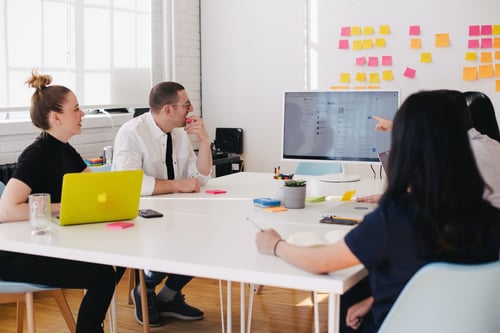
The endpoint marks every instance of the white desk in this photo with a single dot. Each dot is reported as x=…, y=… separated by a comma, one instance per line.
x=205, y=238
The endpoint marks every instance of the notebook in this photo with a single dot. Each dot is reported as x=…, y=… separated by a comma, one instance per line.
x=351, y=209
x=89, y=197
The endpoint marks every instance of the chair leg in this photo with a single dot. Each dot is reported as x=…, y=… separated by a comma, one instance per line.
x=58, y=294
x=30, y=313
x=20, y=316
x=144, y=302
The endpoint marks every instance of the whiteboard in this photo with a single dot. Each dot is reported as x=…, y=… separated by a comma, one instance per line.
x=453, y=18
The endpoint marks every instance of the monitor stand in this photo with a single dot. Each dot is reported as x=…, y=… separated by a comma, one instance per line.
x=342, y=177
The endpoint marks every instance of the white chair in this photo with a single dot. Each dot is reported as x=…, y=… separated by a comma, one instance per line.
x=444, y=297
x=24, y=293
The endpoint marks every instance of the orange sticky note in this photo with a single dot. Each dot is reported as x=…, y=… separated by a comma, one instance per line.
x=497, y=87
x=276, y=209
x=442, y=40
x=496, y=43
x=485, y=71
x=497, y=70
x=486, y=57
x=470, y=56
x=469, y=74
x=347, y=196
x=415, y=43
x=497, y=55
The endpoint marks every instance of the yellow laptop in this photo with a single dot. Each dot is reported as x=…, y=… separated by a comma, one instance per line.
x=89, y=197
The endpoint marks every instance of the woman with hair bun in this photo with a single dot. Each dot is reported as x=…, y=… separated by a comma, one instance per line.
x=40, y=169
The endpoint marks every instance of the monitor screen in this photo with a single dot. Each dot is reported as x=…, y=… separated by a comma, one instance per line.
x=336, y=125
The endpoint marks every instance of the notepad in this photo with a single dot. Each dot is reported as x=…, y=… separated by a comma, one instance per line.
x=310, y=238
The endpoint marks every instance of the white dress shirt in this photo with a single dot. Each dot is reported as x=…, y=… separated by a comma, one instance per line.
x=487, y=154
x=141, y=144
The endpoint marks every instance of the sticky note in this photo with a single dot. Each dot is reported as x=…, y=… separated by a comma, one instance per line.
x=345, y=31
x=119, y=225
x=355, y=30
x=360, y=61
x=357, y=45
x=215, y=191
x=343, y=44
x=367, y=43
x=486, y=29
x=469, y=74
x=415, y=43
x=276, y=209
x=380, y=42
x=347, y=196
x=495, y=29
x=368, y=31
x=486, y=57
x=474, y=30
x=497, y=55
x=387, y=75
x=345, y=77
x=409, y=72
x=384, y=29
x=414, y=30
x=486, y=43
x=470, y=56
x=485, y=71
x=442, y=40
x=316, y=199
x=373, y=61
x=473, y=44
x=497, y=70
x=497, y=85
x=374, y=78
x=425, y=57
x=386, y=60
x=496, y=43
x=360, y=77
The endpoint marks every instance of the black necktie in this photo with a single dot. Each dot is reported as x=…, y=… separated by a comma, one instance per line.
x=168, y=159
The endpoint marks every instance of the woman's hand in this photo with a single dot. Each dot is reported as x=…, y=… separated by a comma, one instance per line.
x=266, y=240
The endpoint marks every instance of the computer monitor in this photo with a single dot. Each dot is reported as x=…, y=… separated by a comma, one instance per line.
x=336, y=126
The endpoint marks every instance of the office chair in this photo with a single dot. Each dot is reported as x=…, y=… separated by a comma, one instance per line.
x=443, y=297
x=482, y=113
x=21, y=293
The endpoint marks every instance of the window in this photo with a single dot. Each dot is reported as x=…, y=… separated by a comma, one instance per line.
x=101, y=49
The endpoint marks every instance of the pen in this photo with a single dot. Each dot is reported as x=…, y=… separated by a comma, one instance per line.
x=255, y=224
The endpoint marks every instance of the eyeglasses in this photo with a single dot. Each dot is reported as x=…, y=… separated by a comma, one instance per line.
x=187, y=105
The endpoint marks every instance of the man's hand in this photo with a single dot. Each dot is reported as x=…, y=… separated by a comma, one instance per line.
x=188, y=185
x=374, y=198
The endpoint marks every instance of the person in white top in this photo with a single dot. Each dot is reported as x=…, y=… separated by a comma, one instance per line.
x=143, y=143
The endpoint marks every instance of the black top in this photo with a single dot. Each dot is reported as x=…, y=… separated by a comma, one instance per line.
x=43, y=164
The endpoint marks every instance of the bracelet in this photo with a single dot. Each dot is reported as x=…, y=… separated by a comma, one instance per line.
x=276, y=245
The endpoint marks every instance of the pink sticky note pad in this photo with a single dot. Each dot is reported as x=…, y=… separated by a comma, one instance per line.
x=215, y=191
x=119, y=225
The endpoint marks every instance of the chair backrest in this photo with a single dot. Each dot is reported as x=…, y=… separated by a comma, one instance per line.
x=317, y=169
x=444, y=297
x=482, y=114
x=2, y=186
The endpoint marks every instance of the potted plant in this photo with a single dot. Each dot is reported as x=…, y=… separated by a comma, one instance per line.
x=294, y=193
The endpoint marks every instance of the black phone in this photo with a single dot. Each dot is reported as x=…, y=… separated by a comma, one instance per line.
x=339, y=220
x=149, y=213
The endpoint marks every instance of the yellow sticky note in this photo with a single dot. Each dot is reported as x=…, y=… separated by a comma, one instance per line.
x=348, y=195
x=495, y=29
x=367, y=43
x=384, y=29
x=345, y=77
x=426, y=57
x=415, y=43
x=485, y=71
x=360, y=77
x=469, y=74
x=356, y=30
x=276, y=209
x=380, y=42
x=470, y=56
x=442, y=40
x=387, y=75
x=368, y=31
x=374, y=78
x=486, y=57
x=357, y=45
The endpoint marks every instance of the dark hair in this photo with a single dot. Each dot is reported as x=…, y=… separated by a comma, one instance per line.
x=164, y=93
x=482, y=113
x=45, y=99
x=433, y=170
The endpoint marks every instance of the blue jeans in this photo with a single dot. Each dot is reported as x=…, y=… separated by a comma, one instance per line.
x=174, y=281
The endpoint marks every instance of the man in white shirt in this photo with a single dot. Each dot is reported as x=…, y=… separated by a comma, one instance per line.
x=158, y=143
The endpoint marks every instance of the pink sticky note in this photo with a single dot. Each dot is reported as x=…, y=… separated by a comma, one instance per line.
x=386, y=60
x=474, y=30
x=373, y=61
x=486, y=43
x=410, y=72
x=215, y=191
x=345, y=31
x=119, y=225
x=360, y=61
x=486, y=29
x=414, y=30
x=344, y=44
x=473, y=44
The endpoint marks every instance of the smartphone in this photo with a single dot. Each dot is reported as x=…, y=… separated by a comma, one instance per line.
x=149, y=213
x=339, y=220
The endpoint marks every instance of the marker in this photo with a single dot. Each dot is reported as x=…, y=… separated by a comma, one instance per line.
x=255, y=224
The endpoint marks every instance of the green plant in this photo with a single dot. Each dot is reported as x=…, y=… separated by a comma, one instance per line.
x=295, y=183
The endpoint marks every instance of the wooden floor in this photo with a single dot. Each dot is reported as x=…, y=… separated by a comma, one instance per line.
x=274, y=310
